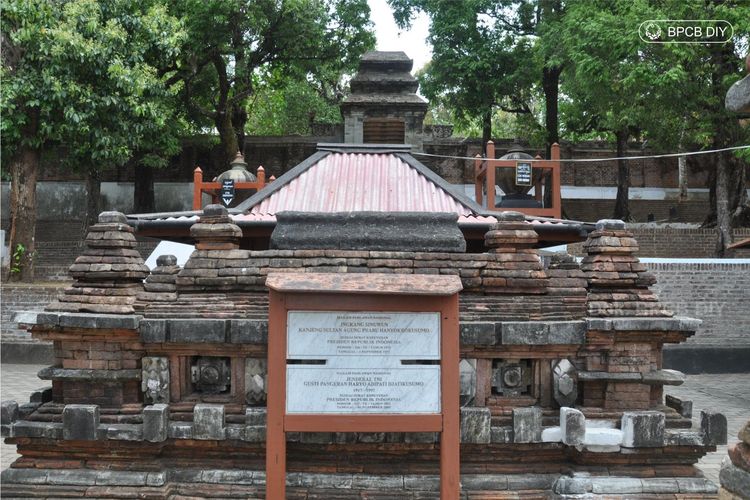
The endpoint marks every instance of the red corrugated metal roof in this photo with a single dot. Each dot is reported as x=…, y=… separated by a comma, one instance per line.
x=353, y=182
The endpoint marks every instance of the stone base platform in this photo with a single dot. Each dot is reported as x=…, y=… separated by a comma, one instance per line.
x=233, y=483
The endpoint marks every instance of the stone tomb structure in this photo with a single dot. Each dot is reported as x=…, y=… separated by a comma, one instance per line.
x=159, y=388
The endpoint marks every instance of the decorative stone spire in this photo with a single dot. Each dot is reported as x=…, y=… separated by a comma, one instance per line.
x=215, y=230
x=160, y=284
x=109, y=273
x=516, y=267
x=618, y=282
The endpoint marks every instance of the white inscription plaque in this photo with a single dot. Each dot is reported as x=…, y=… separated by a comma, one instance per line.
x=319, y=335
x=319, y=389
x=363, y=370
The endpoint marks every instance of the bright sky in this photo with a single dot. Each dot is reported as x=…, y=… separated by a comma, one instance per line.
x=413, y=41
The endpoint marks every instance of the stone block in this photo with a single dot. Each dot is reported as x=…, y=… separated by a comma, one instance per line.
x=551, y=435
x=156, y=423
x=543, y=333
x=733, y=478
x=317, y=437
x=166, y=260
x=422, y=483
x=664, y=377
x=681, y=406
x=531, y=481
x=476, y=333
x=180, y=430
x=192, y=331
x=255, y=433
x=209, y=422
x=475, y=425
x=255, y=416
x=23, y=476
x=235, y=432
x=153, y=331
x=682, y=438
x=610, y=225
x=42, y=395
x=398, y=231
x=501, y=434
x=572, y=485
x=601, y=436
x=643, y=429
x=655, y=485
x=80, y=422
x=527, y=425
x=696, y=485
x=27, y=409
x=104, y=321
x=616, y=486
x=46, y=430
x=248, y=331
x=112, y=217
x=486, y=482
x=123, y=432
x=713, y=428
x=8, y=412
x=368, y=482
x=572, y=426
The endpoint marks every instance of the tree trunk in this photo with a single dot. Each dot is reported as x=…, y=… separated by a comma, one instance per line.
x=93, y=205
x=622, y=205
x=738, y=200
x=228, y=137
x=730, y=199
x=550, y=84
x=682, y=173
x=143, y=189
x=723, y=219
x=486, y=129
x=24, y=168
x=239, y=119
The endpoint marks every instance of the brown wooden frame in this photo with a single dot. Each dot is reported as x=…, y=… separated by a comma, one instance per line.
x=288, y=292
x=484, y=180
x=214, y=188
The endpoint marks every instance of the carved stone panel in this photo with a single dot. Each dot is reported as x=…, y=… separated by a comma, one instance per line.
x=256, y=375
x=155, y=379
x=564, y=381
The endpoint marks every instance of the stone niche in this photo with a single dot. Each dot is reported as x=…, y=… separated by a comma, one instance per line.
x=383, y=106
x=159, y=386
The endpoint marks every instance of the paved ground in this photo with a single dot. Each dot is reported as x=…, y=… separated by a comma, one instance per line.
x=729, y=394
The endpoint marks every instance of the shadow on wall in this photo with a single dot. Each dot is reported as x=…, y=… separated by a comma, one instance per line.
x=67, y=200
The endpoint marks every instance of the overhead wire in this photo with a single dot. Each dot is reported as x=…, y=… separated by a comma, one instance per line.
x=595, y=160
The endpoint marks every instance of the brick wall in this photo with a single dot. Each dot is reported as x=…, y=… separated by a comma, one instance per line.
x=718, y=294
x=23, y=298
x=592, y=210
x=684, y=243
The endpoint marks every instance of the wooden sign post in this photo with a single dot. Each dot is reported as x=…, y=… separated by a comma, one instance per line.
x=368, y=330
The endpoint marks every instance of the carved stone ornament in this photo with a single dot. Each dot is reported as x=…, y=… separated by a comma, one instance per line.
x=564, y=383
x=155, y=379
x=256, y=376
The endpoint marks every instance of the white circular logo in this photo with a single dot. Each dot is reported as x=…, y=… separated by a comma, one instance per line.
x=652, y=31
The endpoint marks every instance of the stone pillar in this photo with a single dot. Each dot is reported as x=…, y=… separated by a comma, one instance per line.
x=619, y=288
x=516, y=267
x=160, y=285
x=109, y=273
x=215, y=230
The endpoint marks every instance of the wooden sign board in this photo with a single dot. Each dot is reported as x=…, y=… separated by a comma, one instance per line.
x=227, y=191
x=363, y=353
x=523, y=173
